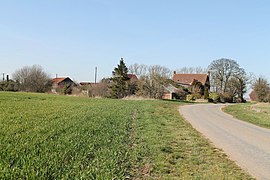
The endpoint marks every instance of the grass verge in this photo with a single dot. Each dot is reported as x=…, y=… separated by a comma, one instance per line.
x=169, y=148
x=58, y=137
x=255, y=113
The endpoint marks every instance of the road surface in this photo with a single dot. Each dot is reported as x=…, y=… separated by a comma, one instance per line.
x=248, y=145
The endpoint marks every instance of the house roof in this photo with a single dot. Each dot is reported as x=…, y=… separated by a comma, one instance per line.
x=132, y=76
x=188, y=79
x=58, y=80
x=171, y=89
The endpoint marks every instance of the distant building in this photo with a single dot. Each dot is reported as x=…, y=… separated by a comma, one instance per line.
x=196, y=83
x=188, y=79
x=60, y=83
x=133, y=77
x=171, y=92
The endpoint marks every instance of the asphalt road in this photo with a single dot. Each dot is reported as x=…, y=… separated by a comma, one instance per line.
x=248, y=145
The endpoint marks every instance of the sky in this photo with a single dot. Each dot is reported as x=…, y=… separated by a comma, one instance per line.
x=72, y=37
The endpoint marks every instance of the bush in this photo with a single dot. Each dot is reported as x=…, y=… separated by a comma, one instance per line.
x=197, y=96
x=59, y=90
x=191, y=97
x=226, y=98
x=182, y=95
x=68, y=89
x=268, y=98
x=206, y=93
x=214, y=97
x=9, y=86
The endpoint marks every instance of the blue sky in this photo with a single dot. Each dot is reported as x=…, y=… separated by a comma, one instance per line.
x=71, y=37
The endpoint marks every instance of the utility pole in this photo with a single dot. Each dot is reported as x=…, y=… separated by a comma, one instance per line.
x=95, y=75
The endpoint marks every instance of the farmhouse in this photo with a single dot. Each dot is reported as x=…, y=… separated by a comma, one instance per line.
x=60, y=83
x=196, y=83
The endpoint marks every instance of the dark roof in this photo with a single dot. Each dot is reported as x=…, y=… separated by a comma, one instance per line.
x=171, y=89
x=188, y=79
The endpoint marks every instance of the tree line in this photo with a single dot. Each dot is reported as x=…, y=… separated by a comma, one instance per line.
x=229, y=81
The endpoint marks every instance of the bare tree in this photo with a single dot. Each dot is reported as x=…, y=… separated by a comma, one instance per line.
x=261, y=88
x=138, y=69
x=229, y=79
x=100, y=89
x=152, y=83
x=160, y=71
x=192, y=70
x=221, y=72
x=32, y=79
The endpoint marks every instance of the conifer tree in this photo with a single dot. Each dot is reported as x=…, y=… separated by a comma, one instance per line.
x=119, y=88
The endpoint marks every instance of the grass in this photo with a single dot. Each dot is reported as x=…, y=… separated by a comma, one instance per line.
x=58, y=137
x=176, y=150
x=255, y=113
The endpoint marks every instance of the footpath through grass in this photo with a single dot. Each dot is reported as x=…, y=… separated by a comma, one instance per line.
x=255, y=113
x=57, y=137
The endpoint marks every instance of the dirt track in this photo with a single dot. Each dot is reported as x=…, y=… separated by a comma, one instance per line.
x=247, y=144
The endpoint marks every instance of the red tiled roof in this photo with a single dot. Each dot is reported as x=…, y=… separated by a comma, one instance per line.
x=57, y=80
x=132, y=76
x=189, y=78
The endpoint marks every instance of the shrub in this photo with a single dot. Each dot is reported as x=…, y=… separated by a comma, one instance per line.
x=68, y=89
x=226, y=98
x=268, y=98
x=191, y=97
x=182, y=95
x=214, y=97
x=59, y=90
x=197, y=96
x=9, y=86
x=206, y=93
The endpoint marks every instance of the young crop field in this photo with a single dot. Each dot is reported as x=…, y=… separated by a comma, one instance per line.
x=59, y=137
x=255, y=113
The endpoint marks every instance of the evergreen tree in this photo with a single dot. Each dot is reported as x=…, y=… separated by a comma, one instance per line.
x=119, y=88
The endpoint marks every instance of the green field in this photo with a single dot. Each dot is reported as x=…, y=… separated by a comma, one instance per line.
x=58, y=137
x=255, y=113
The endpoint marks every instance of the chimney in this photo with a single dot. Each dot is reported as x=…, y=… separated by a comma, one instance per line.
x=174, y=72
x=95, y=75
